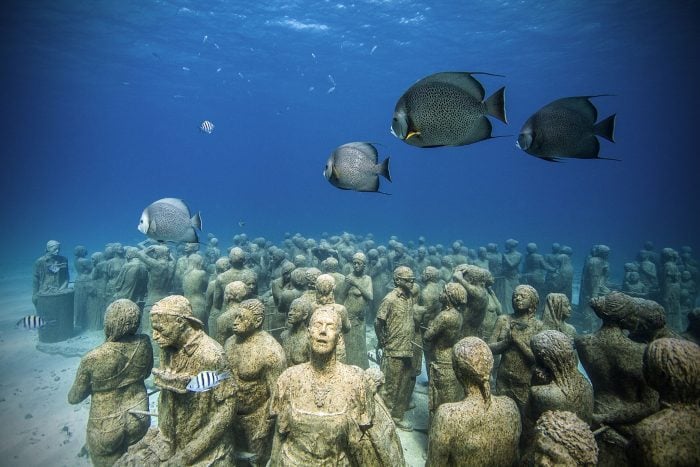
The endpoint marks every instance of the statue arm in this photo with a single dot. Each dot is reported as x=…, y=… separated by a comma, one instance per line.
x=218, y=426
x=500, y=338
x=81, y=388
x=346, y=325
x=435, y=327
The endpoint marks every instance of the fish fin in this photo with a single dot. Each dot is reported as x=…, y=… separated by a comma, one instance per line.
x=152, y=226
x=384, y=169
x=411, y=134
x=197, y=221
x=178, y=203
x=224, y=375
x=550, y=158
x=481, y=131
x=461, y=79
x=496, y=105
x=365, y=148
x=606, y=128
x=580, y=104
x=383, y=193
x=609, y=159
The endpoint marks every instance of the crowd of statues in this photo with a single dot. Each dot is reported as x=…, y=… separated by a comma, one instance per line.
x=311, y=351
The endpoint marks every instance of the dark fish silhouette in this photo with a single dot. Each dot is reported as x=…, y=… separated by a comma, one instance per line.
x=447, y=109
x=354, y=166
x=566, y=128
x=169, y=219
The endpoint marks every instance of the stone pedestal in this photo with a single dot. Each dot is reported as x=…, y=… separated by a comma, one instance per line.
x=57, y=309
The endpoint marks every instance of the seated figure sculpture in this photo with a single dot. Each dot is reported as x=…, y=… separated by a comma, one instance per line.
x=670, y=436
x=113, y=375
x=194, y=423
x=50, y=271
x=255, y=360
x=481, y=429
x=322, y=408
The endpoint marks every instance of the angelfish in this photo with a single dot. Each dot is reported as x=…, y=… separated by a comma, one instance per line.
x=169, y=219
x=566, y=128
x=355, y=166
x=447, y=109
x=206, y=380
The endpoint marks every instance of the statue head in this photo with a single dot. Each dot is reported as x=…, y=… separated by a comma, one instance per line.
x=672, y=367
x=511, y=244
x=557, y=306
x=299, y=312
x=195, y=261
x=248, y=317
x=430, y=274
x=286, y=268
x=531, y=247
x=172, y=320
x=525, y=299
x=80, y=251
x=324, y=330
x=329, y=264
x=236, y=256
x=561, y=438
x=235, y=292
x=615, y=307
x=472, y=362
x=300, y=261
x=359, y=260
x=404, y=278
x=122, y=318
x=554, y=351
x=325, y=283
x=53, y=247
x=310, y=276
x=222, y=265
x=454, y=294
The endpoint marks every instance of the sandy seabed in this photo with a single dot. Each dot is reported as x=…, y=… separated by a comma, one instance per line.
x=37, y=425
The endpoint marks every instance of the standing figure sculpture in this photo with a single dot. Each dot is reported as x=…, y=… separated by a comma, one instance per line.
x=51, y=273
x=295, y=339
x=113, y=376
x=480, y=430
x=82, y=286
x=194, y=286
x=255, y=360
x=132, y=282
x=358, y=297
x=325, y=286
x=395, y=330
x=195, y=415
x=322, y=408
x=160, y=268
x=510, y=275
x=594, y=283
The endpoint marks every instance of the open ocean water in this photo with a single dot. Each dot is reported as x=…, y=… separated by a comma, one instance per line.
x=102, y=103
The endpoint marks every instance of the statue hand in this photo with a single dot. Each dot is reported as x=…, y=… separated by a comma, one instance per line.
x=171, y=381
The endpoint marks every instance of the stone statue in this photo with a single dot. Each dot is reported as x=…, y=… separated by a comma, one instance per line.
x=160, y=268
x=51, y=273
x=613, y=363
x=511, y=339
x=295, y=339
x=292, y=291
x=113, y=376
x=510, y=276
x=115, y=260
x=132, y=282
x=395, y=330
x=255, y=360
x=495, y=259
x=561, y=438
x=82, y=286
x=535, y=269
x=97, y=302
x=194, y=286
x=234, y=294
x=670, y=285
x=212, y=253
x=561, y=280
x=382, y=447
x=325, y=285
x=594, y=283
x=358, y=296
x=330, y=266
x=220, y=265
x=670, y=436
x=443, y=333
x=473, y=279
x=557, y=310
x=237, y=272
x=481, y=429
x=559, y=385
x=182, y=265
x=429, y=300
x=322, y=408
x=194, y=425
x=692, y=332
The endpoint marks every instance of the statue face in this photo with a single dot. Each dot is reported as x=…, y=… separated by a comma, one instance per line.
x=166, y=330
x=358, y=266
x=244, y=322
x=323, y=333
x=296, y=315
x=522, y=299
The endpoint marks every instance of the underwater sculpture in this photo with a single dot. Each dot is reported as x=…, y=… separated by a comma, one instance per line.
x=594, y=282
x=51, y=296
x=194, y=286
x=670, y=436
x=613, y=363
x=255, y=361
x=132, y=282
x=561, y=438
x=481, y=429
x=509, y=278
x=234, y=294
x=473, y=279
x=160, y=268
x=322, y=408
x=295, y=339
x=325, y=286
x=113, y=375
x=51, y=273
x=358, y=296
x=557, y=310
x=429, y=300
x=193, y=425
x=82, y=285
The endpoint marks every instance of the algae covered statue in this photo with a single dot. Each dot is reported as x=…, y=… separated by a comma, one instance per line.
x=561, y=438
x=323, y=407
x=195, y=410
x=481, y=429
x=113, y=376
x=50, y=272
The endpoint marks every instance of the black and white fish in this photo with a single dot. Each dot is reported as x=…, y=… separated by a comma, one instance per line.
x=206, y=127
x=32, y=322
x=169, y=219
x=206, y=380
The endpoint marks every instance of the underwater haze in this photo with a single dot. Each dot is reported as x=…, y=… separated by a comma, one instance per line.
x=102, y=103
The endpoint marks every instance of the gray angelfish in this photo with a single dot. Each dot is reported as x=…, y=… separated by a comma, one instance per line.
x=566, y=128
x=169, y=219
x=355, y=166
x=447, y=109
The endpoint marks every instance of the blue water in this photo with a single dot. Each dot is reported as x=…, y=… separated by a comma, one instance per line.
x=101, y=103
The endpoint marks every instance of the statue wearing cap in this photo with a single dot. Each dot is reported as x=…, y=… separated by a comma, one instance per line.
x=50, y=271
x=193, y=427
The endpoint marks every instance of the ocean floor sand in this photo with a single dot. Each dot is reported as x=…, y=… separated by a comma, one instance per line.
x=37, y=425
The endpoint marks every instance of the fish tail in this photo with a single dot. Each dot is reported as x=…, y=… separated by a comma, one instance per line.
x=197, y=221
x=224, y=375
x=384, y=169
x=606, y=128
x=496, y=105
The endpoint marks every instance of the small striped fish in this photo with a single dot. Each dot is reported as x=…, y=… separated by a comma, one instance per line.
x=32, y=322
x=206, y=380
x=207, y=127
